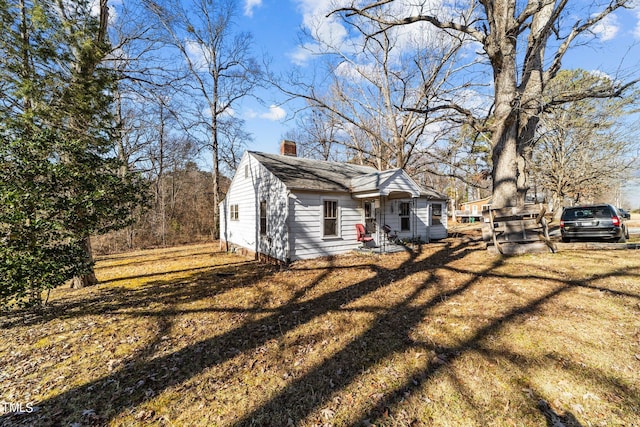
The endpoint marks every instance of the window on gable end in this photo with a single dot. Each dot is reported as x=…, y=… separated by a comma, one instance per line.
x=263, y=217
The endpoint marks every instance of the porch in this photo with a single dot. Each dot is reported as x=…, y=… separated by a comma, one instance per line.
x=385, y=248
x=391, y=220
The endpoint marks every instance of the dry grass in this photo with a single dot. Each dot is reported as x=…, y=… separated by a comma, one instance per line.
x=448, y=336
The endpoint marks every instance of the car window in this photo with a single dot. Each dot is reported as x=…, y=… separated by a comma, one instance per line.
x=603, y=212
x=571, y=214
x=599, y=212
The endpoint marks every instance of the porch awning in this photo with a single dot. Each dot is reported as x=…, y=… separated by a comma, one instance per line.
x=391, y=195
x=394, y=184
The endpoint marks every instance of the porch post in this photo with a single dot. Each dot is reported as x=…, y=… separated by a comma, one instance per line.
x=414, y=229
x=383, y=217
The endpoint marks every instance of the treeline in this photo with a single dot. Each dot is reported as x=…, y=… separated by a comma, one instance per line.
x=179, y=211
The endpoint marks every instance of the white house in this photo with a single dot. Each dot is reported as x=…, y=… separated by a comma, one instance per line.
x=290, y=208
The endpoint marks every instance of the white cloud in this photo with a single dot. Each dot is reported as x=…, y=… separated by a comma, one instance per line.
x=332, y=35
x=250, y=5
x=326, y=29
x=303, y=54
x=636, y=31
x=600, y=74
x=607, y=28
x=113, y=13
x=197, y=54
x=275, y=113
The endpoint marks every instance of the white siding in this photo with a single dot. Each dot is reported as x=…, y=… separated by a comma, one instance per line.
x=422, y=219
x=420, y=223
x=252, y=184
x=439, y=230
x=400, y=182
x=418, y=218
x=305, y=225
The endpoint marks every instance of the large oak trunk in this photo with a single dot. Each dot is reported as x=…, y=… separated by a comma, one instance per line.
x=504, y=169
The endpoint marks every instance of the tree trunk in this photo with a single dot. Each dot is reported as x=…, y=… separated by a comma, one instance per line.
x=81, y=68
x=504, y=156
x=501, y=48
x=216, y=190
x=88, y=279
x=532, y=88
x=216, y=159
x=556, y=200
x=526, y=142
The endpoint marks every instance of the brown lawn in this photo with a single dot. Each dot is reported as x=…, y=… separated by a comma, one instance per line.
x=448, y=335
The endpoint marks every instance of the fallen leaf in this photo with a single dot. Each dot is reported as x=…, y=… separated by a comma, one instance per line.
x=145, y=415
x=327, y=413
x=578, y=408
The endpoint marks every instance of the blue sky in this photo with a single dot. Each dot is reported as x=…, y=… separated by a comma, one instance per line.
x=276, y=25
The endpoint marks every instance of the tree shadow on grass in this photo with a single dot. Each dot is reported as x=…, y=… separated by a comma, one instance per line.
x=391, y=333
x=197, y=283
x=177, y=367
x=111, y=261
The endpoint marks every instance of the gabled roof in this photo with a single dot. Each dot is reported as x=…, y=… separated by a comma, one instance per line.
x=374, y=180
x=482, y=200
x=309, y=174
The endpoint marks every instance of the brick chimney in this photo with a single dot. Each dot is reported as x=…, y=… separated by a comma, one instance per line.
x=288, y=148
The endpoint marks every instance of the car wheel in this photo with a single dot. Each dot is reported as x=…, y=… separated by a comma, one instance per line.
x=566, y=239
x=622, y=239
x=626, y=232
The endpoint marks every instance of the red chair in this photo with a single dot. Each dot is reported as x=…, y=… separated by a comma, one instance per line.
x=362, y=234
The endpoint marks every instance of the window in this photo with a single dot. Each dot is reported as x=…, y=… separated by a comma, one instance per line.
x=234, y=213
x=436, y=213
x=368, y=209
x=263, y=217
x=405, y=208
x=370, y=217
x=330, y=218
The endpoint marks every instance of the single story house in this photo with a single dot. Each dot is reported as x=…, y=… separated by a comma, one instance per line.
x=288, y=208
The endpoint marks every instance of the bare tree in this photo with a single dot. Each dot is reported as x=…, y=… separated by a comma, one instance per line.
x=218, y=62
x=514, y=36
x=378, y=96
x=144, y=78
x=317, y=134
x=236, y=137
x=584, y=148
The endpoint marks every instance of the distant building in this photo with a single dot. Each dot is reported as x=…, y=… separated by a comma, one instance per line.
x=471, y=211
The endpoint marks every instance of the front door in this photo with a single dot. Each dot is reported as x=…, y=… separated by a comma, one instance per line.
x=370, y=217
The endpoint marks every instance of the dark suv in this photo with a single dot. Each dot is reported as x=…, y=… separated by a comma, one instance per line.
x=593, y=221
